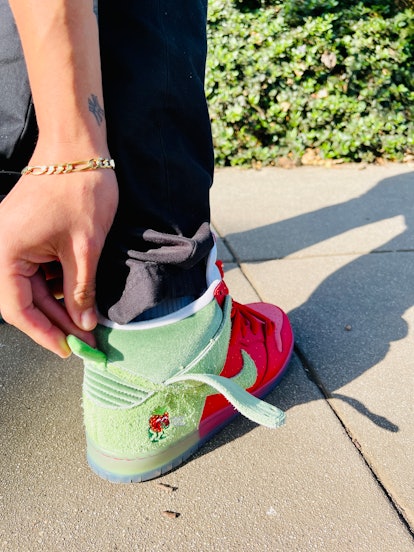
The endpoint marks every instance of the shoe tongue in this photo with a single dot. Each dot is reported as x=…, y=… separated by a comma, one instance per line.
x=157, y=354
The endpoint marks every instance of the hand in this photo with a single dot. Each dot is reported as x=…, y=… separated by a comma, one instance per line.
x=50, y=218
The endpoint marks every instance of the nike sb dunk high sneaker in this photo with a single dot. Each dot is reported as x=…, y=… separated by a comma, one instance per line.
x=155, y=391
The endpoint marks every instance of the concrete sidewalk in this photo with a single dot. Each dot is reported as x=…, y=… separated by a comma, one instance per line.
x=335, y=249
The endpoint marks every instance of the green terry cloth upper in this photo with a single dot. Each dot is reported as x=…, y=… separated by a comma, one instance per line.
x=169, y=369
x=157, y=353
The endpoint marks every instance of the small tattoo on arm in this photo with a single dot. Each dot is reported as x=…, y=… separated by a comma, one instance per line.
x=96, y=109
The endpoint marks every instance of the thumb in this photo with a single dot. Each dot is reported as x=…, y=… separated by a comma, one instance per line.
x=79, y=288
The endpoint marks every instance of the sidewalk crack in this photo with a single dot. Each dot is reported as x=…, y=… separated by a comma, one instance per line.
x=315, y=379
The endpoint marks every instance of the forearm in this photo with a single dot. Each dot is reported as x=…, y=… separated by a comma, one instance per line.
x=64, y=217
x=61, y=46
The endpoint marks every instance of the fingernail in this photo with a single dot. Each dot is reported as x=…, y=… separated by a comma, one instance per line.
x=65, y=349
x=88, y=320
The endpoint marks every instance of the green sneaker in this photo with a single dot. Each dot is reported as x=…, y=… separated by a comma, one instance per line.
x=155, y=391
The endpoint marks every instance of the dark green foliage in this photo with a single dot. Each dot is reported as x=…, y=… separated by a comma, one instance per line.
x=331, y=76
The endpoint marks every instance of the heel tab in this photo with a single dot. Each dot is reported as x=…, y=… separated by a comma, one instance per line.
x=85, y=351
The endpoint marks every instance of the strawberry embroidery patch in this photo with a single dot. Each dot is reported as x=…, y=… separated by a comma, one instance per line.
x=157, y=424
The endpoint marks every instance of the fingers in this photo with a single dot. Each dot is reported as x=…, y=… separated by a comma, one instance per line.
x=31, y=307
x=55, y=311
x=54, y=277
x=19, y=310
x=79, y=270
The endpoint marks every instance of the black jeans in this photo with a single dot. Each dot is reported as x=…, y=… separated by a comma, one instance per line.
x=153, y=62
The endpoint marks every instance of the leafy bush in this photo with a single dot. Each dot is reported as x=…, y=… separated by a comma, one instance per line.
x=293, y=76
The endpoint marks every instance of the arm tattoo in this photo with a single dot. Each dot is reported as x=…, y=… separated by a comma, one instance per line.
x=96, y=109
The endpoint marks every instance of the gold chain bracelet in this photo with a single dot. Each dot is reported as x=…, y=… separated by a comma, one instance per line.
x=75, y=166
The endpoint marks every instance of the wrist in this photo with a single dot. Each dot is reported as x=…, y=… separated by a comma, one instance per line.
x=76, y=128
x=70, y=166
x=49, y=152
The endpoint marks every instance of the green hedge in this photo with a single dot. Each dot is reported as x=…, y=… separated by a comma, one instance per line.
x=330, y=78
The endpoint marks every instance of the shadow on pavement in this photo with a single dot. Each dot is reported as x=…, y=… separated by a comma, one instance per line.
x=369, y=295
